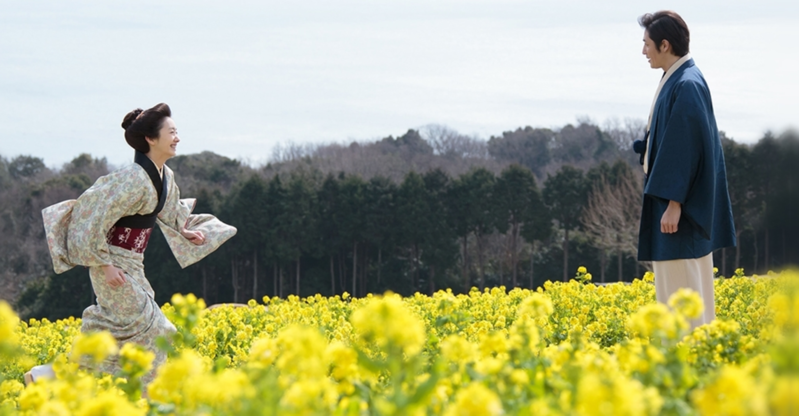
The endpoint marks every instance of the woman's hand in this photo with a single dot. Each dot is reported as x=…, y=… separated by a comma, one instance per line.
x=196, y=237
x=114, y=276
x=668, y=224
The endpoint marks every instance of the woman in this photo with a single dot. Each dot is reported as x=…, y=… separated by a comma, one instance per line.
x=107, y=228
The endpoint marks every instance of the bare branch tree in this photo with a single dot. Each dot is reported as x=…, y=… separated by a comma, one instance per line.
x=449, y=143
x=612, y=216
x=624, y=133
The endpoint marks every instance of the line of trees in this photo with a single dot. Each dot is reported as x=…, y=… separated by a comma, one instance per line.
x=517, y=210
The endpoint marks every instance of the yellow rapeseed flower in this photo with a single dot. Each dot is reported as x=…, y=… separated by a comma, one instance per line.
x=536, y=305
x=167, y=387
x=614, y=394
x=343, y=359
x=109, y=403
x=263, y=352
x=783, y=399
x=656, y=320
x=302, y=352
x=475, y=400
x=733, y=392
x=389, y=323
x=135, y=360
x=687, y=302
x=457, y=349
x=33, y=397
x=96, y=346
x=8, y=325
x=9, y=391
x=54, y=408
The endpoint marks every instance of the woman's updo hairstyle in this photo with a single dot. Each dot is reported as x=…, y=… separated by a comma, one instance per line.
x=139, y=124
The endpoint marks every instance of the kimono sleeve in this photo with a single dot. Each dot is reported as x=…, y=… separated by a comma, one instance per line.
x=176, y=215
x=679, y=146
x=112, y=197
x=56, y=225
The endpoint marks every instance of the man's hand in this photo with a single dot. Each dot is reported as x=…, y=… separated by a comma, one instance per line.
x=668, y=224
x=195, y=237
x=114, y=276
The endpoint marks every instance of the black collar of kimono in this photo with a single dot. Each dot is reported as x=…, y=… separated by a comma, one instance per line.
x=152, y=171
x=148, y=220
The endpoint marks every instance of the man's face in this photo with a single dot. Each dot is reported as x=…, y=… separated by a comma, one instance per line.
x=656, y=57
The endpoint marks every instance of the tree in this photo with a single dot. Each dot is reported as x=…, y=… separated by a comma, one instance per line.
x=350, y=218
x=5, y=176
x=276, y=244
x=438, y=248
x=460, y=206
x=784, y=203
x=518, y=202
x=452, y=145
x=85, y=164
x=765, y=155
x=329, y=233
x=583, y=144
x=413, y=215
x=250, y=213
x=471, y=203
x=410, y=142
x=612, y=214
x=301, y=221
x=381, y=222
x=528, y=147
x=565, y=195
x=207, y=203
x=740, y=185
x=26, y=167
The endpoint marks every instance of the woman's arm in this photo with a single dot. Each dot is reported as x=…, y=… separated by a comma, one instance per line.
x=191, y=237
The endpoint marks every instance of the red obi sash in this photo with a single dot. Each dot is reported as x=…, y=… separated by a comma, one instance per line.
x=133, y=239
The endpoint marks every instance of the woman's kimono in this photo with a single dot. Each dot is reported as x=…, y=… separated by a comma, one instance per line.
x=80, y=232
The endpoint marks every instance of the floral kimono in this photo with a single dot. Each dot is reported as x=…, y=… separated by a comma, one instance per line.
x=110, y=224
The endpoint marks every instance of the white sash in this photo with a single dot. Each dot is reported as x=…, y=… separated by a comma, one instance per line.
x=663, y=80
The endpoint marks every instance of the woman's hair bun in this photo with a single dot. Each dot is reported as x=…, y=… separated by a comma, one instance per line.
x=130, y=118
x=140, y=124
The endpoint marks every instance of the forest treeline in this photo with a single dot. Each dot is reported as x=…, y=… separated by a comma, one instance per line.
x=427, y=210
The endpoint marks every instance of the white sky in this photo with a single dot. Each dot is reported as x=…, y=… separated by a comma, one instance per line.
x=243, y=76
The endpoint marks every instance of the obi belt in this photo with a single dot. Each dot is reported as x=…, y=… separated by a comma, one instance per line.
x=133, y=232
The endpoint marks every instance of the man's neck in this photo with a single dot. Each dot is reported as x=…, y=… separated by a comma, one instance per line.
x=671, y=60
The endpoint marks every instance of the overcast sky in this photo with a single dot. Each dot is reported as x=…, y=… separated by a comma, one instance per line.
x=244, y=76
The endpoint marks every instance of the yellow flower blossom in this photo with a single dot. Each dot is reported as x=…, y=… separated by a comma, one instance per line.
x=108, y=404
x=8, y=325
x=656, y=320
x=387, y=322
x=475, y=400
x=687, y=302
x=565, y=348
x=457, y=349
x=96, y=346
x=135, y=360
x=733, y=392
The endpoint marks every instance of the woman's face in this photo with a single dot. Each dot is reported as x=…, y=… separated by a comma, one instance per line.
x=165, y=146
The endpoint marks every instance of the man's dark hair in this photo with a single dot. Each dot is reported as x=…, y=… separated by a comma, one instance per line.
x=667, y=25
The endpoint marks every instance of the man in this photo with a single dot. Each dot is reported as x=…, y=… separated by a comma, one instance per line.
x=686, y=209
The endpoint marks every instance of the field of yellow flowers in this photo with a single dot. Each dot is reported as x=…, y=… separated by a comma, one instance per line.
x=568, y=348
